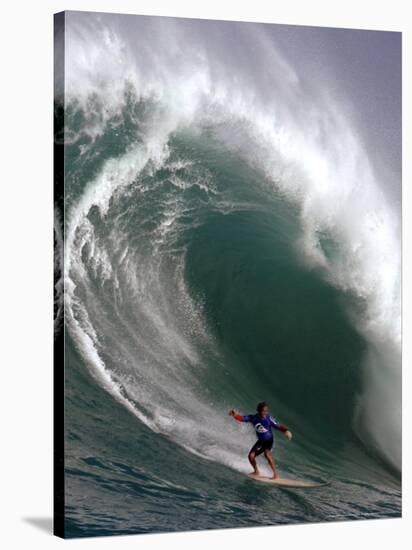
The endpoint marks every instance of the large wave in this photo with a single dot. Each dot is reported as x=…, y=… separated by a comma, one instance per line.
x=187, y=162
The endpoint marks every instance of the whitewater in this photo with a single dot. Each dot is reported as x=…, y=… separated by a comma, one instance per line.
x=227, y=239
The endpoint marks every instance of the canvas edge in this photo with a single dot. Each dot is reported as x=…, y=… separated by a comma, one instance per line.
x=58, y=348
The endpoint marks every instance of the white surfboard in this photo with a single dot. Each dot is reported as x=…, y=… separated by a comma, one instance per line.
x=290, y=483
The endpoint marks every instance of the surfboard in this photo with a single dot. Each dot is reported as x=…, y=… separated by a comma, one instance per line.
x=289, y=483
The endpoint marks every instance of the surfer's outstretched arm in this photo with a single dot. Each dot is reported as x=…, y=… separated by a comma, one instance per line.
x=281, y=427
x=240, y=417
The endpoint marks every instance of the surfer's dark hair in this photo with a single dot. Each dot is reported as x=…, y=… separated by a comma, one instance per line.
x=261, y=406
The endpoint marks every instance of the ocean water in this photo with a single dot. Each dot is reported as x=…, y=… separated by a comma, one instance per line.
x=219, y=237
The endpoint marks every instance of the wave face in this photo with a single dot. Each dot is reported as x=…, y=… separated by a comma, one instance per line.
x=226, y=241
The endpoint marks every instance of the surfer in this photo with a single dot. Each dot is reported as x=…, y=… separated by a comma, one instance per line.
x=263, y=424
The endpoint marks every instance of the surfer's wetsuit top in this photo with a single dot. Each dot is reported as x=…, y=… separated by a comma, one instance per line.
x=263, y=427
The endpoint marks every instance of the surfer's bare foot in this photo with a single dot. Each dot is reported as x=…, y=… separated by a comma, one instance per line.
x=275, y=476
x=255, y=473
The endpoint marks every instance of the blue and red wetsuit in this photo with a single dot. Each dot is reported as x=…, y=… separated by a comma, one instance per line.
x=263, y=426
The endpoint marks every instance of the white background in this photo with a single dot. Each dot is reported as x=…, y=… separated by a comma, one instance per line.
x=26, y=273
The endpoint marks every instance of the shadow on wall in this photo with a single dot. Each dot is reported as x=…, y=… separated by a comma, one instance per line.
x=44, y=524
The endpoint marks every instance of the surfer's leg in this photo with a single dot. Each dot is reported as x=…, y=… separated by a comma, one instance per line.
x=254, y=451
x=252, y=460
x=269, y=458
